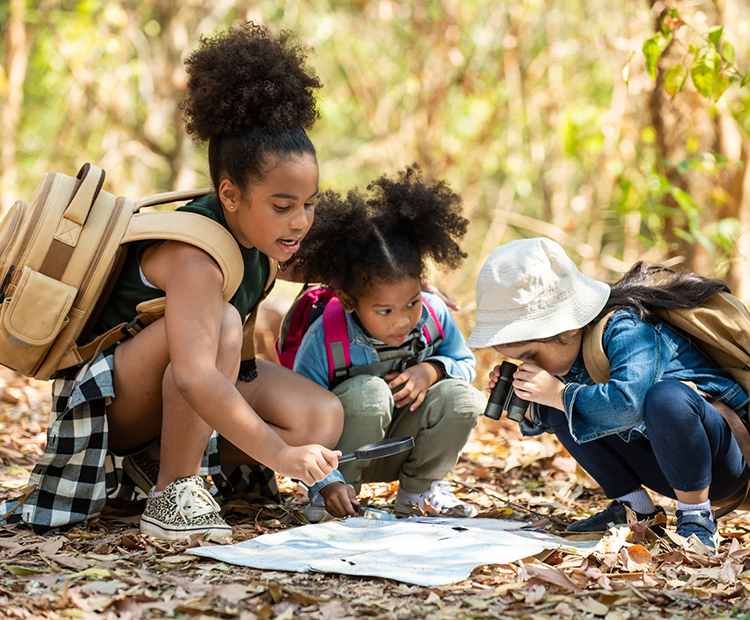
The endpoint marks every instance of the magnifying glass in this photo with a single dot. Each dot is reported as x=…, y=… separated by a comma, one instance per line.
x=379, y=449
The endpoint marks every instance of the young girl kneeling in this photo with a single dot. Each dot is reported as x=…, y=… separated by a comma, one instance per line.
x=372, y=248
x=250, y=97
x=645, y=426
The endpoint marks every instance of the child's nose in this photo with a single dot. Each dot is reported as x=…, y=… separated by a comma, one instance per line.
x=301, y=220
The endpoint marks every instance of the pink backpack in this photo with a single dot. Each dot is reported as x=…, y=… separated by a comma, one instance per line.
x=316, y=301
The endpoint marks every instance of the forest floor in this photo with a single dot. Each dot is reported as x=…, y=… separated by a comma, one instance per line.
x=108, y=570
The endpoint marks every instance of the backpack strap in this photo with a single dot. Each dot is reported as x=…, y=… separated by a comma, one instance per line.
x=65, y=239
x=594, y=357
x=742, y=436
x=336, y=338
x=167, y=197
x=248, y=328
x=432, y=329
x=186, y=227
x=196, y=230
x=337, y=347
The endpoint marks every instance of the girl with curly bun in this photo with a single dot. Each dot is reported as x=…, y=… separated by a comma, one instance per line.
x=371, y=248
x=251, y=98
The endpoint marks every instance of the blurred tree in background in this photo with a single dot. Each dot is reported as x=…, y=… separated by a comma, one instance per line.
x=523, y=105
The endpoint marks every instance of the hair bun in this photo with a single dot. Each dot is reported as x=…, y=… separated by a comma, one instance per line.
x=248, y=76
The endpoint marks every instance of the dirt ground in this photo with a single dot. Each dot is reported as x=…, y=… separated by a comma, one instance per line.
x=108, y=570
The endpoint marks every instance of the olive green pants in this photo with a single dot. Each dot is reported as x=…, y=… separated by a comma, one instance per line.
x=440, y=426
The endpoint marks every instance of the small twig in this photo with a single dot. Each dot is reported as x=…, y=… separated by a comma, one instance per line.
x=512, y=505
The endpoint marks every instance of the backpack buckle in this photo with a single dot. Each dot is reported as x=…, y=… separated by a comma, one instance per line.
x=132, y=328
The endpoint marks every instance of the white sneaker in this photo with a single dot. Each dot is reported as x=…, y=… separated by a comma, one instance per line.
x=316, y=511
x=439, y=496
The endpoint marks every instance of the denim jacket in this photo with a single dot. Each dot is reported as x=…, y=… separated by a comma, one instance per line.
x=640, y=354
x=311, y=360
x=455, y=356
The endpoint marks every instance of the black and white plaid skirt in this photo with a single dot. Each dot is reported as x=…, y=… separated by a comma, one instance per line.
x=77, y=473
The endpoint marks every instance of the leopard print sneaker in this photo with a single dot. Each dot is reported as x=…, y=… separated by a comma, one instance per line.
x=184, y=507
x=142, y=469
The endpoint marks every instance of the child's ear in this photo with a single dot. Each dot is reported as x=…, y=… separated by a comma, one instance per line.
x=229, y=194
x=347, y=303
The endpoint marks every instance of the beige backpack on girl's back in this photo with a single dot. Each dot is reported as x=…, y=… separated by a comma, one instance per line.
x=720, y=328
x=59, y=253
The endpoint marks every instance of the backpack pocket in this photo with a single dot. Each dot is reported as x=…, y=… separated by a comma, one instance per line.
x=36, y=312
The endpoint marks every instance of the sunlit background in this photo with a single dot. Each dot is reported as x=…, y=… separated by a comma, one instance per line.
x=541, y=114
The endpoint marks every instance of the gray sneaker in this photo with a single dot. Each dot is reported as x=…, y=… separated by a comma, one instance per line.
x=184, y=507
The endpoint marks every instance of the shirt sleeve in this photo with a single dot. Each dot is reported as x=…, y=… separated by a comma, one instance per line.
x=453, y=353
x=334, y=476
x=636, y=357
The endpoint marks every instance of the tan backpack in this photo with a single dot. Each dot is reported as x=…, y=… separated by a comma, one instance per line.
x=61, y=253
x=720, y=328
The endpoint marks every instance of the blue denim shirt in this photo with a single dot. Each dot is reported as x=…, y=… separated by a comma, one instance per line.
x=640, y=354
x=311, y=360
x=457, y=359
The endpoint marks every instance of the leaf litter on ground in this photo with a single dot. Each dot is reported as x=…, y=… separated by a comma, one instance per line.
x=107, y=569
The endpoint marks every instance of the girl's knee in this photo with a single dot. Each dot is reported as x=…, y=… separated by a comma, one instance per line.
x=457, y=399
x=326, y=419
x=668, y=395
x=667, y=402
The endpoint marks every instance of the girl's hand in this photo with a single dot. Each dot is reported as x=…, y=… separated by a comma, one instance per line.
x=415, y=381
x=533, y=383
x=340, y=499
x=494, y=376
x=310, y=463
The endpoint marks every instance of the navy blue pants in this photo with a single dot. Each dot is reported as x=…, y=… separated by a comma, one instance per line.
x=690, y=447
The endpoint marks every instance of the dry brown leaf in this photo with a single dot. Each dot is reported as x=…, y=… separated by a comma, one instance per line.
x=591, y=605
x=552, y=575
x=635, y=558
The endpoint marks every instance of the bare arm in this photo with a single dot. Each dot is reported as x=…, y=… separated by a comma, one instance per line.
x=193, y=318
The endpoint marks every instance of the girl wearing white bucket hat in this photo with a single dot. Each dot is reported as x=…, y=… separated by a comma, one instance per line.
x=644, y=427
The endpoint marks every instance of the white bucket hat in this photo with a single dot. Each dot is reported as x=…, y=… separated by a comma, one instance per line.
x=530, y=289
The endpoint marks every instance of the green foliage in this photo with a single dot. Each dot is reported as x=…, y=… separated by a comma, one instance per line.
x=712, y=68
x=519, y=105
x=653, y=48
x=719, y=236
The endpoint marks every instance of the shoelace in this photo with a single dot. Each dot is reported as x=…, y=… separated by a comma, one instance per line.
x=193, y=501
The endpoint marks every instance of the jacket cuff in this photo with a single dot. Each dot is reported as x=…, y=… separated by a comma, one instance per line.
x=334, y=476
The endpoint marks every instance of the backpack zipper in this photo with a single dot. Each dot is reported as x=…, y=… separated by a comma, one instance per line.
x=113, y=219
x=12, y=230
x=31, y=228
x=13, y=227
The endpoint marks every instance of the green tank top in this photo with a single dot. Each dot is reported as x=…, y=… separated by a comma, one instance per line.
x=130, y=289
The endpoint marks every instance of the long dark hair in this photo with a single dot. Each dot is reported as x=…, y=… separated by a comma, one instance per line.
x=649, y=288
x=251, y=97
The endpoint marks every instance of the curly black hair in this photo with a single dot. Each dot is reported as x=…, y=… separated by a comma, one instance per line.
x=251, y=97
x=383, y=236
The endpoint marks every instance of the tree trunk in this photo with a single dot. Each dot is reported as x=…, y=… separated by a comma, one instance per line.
x=10, y=113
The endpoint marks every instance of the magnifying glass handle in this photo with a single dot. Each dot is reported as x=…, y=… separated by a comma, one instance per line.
x=347, y=457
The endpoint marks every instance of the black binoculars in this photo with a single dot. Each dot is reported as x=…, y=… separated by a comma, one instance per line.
x=504, y=398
